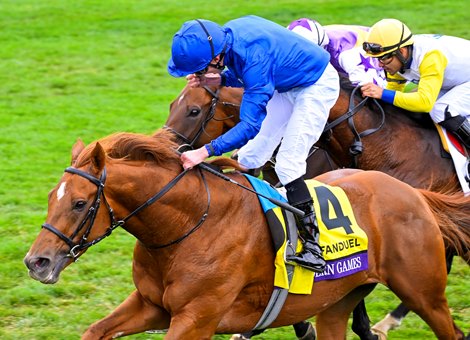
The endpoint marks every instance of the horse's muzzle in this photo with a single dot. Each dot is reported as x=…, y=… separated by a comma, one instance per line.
x=45, y=269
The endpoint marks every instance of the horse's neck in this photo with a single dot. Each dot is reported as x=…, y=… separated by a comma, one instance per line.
x=156, y=223
x=181, y=208
x=231, y=98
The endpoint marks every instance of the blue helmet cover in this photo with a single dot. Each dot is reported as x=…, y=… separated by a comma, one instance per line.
x=191, y=49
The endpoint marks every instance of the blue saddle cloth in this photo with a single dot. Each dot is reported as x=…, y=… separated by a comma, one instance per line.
x=266, y=189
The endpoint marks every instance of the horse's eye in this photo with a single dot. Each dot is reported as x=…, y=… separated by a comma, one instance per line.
x=79, y=205
x=194, y=112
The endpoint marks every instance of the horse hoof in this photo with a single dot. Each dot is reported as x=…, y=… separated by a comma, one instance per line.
x=239, y=337
x=311, y=333
x=388, y=323
x=380, y=335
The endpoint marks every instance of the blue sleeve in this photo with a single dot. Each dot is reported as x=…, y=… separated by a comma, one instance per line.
x=252, y=114
x=233, y=139
x=258, y=90
x=388, y=96
x=231, y=80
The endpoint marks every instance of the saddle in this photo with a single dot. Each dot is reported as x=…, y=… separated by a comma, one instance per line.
x=343, y=242
x=459, y=155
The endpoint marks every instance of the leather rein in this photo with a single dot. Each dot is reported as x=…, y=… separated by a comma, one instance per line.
x=77, y=247
x=356, y=147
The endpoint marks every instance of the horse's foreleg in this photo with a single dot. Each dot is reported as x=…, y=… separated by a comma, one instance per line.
x=361, y=321
x=134, y=315
x=193, y=325
x=303, y=330
x=332, y=323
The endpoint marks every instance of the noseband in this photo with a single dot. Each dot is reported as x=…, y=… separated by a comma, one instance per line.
x=188, y=143
x=76, y=248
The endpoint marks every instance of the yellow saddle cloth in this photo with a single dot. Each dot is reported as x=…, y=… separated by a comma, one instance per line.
x=343, y=242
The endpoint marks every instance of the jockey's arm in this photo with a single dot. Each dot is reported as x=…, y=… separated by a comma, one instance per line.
x=395, y=82
x=229, y=79
x=431, y=72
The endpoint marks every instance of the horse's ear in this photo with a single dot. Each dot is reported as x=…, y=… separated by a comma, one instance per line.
x=77, y=148
x=98, y=157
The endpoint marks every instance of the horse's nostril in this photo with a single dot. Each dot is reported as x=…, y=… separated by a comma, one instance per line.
x=41, y=262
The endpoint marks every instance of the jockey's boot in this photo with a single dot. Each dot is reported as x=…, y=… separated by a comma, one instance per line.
x=463, y=133
x=459, y=125
x=311, y=255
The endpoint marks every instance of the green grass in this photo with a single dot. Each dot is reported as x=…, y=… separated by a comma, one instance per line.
x=85, y=69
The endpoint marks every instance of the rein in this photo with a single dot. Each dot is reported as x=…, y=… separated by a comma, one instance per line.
x=189, y=144
x=356, y=147
x=76, y=248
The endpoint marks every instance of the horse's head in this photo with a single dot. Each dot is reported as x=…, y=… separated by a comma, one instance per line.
x=73, y=208
x=79, y=207
x=199, y=115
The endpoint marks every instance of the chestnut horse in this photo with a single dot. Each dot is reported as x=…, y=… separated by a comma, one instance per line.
x=406, y=147
x=204, y=261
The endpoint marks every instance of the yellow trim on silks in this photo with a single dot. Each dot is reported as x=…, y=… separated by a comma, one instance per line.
x=442, y=137
x=336, y=243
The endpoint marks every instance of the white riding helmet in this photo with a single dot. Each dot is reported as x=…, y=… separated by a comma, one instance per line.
x=310, y=30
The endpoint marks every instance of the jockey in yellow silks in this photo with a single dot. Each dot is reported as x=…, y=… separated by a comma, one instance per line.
x=438, y=64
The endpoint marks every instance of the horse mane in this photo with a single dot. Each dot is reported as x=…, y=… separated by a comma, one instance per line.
x=226, y=163
x=158, y=148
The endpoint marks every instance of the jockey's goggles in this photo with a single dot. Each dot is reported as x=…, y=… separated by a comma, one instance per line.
x=374, y=48
x=387, y=56
x=206, y=69
x=202, y=72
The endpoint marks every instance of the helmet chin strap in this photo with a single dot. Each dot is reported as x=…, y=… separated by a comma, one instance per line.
x=402, y=58
x=219, y=64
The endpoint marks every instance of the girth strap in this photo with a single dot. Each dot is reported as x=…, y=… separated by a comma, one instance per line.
x=279, y=295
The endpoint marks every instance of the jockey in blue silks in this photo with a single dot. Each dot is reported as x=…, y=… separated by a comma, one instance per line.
x=289, y=89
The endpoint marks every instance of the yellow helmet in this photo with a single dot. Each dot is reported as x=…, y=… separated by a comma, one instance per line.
x=387, y=36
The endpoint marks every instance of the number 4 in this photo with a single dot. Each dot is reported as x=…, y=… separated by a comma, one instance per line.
x=325, y=196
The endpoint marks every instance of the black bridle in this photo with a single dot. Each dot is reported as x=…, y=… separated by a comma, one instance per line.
x=188, y=143
x=76, y=248
x=356, y=147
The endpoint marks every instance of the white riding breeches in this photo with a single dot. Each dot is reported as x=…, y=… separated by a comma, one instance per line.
x=297, y=117
x=457, y=99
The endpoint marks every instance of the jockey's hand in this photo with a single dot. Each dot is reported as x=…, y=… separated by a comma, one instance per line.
x=372, y=90
x=192, y=158
x=208, y=79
